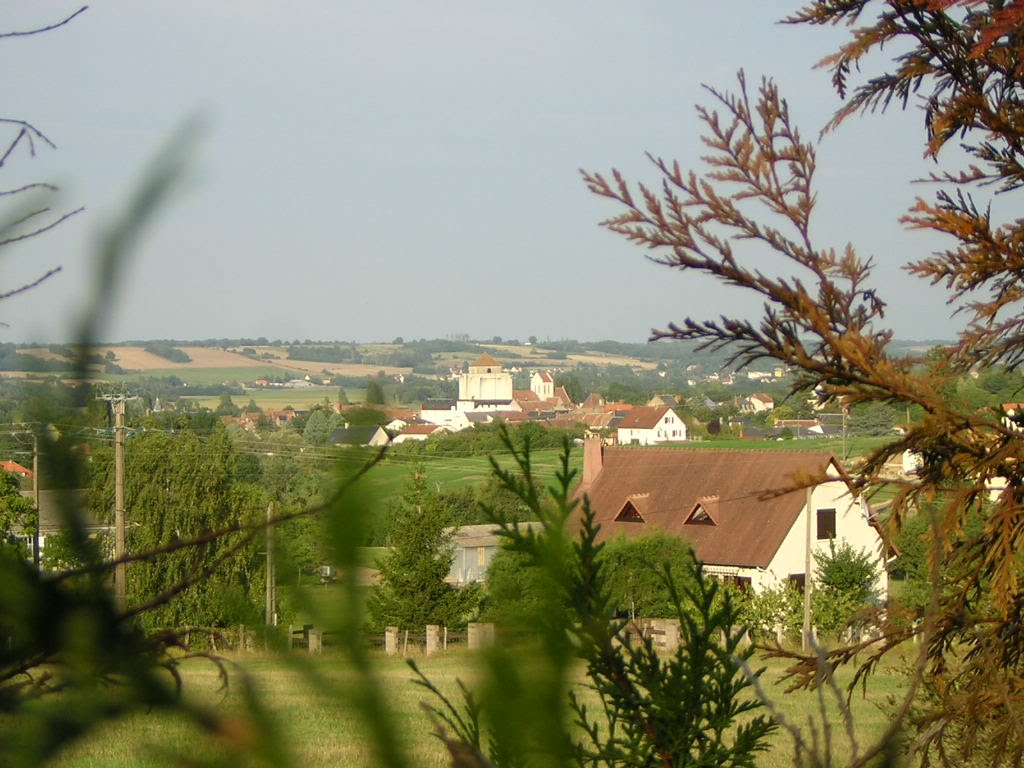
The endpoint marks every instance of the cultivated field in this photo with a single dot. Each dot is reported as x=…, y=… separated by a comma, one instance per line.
x=320, y=727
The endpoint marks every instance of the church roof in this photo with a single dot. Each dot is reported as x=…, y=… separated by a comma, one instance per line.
x=485, y=361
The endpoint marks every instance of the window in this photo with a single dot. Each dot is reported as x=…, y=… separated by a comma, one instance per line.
x=629, y=514
x=699, y=516
x=826, y=524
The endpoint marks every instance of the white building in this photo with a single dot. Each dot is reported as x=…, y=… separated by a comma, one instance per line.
x=744, y=512
x=651, y=425
x=485, y=387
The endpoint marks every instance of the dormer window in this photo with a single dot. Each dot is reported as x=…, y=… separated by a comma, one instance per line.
x=703, y=512
x=629, y=513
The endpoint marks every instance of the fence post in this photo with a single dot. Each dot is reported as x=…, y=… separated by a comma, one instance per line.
x=316, y=641
x=433, y=639
x=671, y=636
x=391, y=641
x=479, y=634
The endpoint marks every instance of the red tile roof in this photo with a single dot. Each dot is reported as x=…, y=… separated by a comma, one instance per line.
x=739, y=489
x=15, y=468
x=420, y=429
x=645, y=417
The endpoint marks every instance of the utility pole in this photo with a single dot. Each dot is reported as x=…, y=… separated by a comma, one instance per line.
x=35, y=499
x=271, y=606
x=119, y=568
x=806, y=633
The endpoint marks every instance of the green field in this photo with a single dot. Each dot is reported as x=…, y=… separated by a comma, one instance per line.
x=277, y=398
x=206, y=376
x=447, y=473
x=855, y=446
x=318, y=724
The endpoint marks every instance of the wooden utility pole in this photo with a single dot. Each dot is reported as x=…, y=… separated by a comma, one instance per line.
x=806, y=633
x=271, y=606
x=35, y=499
x=119, y=568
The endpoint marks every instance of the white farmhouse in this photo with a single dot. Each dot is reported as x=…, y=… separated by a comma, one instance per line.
x=742, y=511
x=650, y=425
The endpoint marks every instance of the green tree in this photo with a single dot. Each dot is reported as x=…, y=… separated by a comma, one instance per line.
x=226, y=406
x=18, y=517
x=180, y=487
x=374, y=393
x=319, y=426
x=412, y=591
x=517, y=591
x=844, y=584
x=634, y=573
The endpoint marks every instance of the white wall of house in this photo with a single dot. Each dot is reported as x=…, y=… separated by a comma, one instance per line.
x=545, y=390
x=454, y=419
x=851, y=526
x=669, y=429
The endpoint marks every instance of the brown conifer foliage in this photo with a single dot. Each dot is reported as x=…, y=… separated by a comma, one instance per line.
x=963, y=63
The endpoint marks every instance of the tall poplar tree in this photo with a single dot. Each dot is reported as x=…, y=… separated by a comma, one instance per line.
x=180, y=487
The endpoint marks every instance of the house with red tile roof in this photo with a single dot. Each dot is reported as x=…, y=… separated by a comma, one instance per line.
x=749, y=515
x=15, y=468
x=419, y=432
x=649, y=425
x=543, y=384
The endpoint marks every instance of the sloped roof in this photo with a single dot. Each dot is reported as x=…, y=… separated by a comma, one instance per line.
x=563, y=397
x=15, y=468
x=645, y=417
x=750, y=517
x=357, y=434
x=546, y=377
x=437, y=405
x=485, y=361
x=420, y=429
x=593, y=400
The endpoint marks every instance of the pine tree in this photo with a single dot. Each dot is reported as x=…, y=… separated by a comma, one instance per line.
x=412, y=591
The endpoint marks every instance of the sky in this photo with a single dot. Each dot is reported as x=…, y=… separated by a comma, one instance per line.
x=368, y=169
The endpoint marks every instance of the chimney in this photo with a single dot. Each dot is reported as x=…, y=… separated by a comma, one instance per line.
x=593, y=460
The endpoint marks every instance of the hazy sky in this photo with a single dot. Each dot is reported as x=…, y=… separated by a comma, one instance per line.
x=375, y=169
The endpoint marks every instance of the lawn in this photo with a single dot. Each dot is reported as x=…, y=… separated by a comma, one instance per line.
x=321, y=728
x=447, y=473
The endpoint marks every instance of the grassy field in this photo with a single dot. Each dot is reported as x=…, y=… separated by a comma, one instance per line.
x=320, y=727
x=855, y=446
x=207, y=376
x=276, y=399
x=447, y=473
